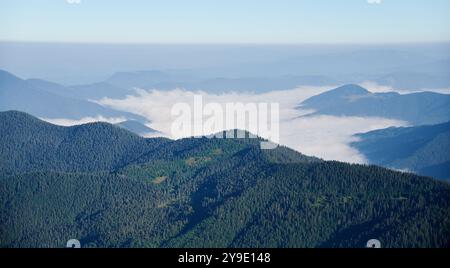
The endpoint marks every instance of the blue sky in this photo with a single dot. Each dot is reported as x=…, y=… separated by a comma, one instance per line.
x=227, y=21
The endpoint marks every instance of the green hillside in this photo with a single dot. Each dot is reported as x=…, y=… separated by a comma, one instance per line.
x=120, y=190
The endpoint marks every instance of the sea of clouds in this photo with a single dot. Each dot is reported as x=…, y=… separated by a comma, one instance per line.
x=327, y=137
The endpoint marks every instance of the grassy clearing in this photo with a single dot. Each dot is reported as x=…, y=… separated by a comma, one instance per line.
x=159, y=180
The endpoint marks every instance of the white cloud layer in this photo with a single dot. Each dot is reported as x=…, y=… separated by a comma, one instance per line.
x=85, y=120
x=327, y=137
x=377, y=88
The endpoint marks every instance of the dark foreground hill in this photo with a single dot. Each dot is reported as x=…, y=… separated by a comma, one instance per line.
x=110, y=188
x=29, y=144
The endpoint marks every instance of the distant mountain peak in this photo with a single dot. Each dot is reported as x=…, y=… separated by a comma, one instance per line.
x=7, y=78
x=4, y=73
x=353, y=100
x=345, y=92
x=351, y=89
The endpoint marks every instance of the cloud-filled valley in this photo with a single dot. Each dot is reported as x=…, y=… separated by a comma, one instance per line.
x=323, y=135
x=327, y=137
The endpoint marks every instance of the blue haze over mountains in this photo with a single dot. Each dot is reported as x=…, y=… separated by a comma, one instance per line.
x=22, y=95
x=111, y=70
x=225, y=124
x=158, y=192
x=65, y=80
x=352, y=100
x=72, y=64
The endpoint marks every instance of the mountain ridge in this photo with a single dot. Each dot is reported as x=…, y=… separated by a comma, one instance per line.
x=200, y=192
x=41, y=101
x=423, y=108
x=422, y=149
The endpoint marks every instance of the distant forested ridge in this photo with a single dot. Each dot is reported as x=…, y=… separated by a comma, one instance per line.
x=424, y=150
x=108, y=187
x=422, y=108
x=49, y=100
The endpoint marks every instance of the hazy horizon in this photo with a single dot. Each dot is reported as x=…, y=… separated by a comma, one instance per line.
x=79, y=63
x=230, y=51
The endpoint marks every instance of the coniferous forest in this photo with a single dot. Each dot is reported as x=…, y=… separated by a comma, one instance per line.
x=107, y=187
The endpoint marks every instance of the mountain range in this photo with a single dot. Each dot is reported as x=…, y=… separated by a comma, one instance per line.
x=169, y=81
x=49, y=100
x=108, y=187
x=424, y=108
x=73, y=64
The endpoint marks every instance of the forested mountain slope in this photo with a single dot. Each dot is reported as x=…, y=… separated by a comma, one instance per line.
x=29, y=144
x=424, y=150
x=126, y=191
